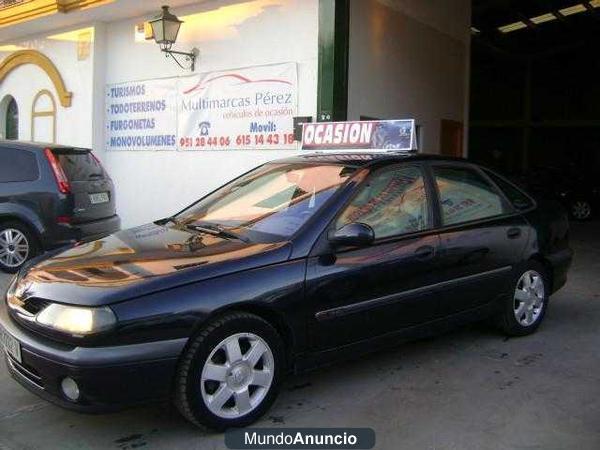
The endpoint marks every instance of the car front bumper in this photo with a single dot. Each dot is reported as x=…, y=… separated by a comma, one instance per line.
x=109, y=378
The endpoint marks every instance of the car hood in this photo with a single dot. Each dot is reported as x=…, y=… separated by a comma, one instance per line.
x=139, y=261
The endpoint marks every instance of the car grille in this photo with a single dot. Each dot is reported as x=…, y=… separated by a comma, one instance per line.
x=27, y=373
x=28, y=307
x=34, y=305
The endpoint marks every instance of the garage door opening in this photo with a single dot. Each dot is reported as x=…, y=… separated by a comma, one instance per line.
x=535, y=99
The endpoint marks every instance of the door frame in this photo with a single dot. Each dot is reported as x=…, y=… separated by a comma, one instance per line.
x=332, y=75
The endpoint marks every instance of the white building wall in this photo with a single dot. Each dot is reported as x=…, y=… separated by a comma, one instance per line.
x=408, y=59
x=152, y=185
x=24, y=82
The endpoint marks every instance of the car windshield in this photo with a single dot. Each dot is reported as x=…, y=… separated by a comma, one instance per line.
x=272, y=201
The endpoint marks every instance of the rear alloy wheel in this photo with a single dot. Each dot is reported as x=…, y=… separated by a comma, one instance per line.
x=529, y=298
x=17, y=245
x=230, y=373
x=581, y=210
x=526, y=307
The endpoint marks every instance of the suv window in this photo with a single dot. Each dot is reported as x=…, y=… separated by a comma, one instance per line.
x=465, y=195
x=516, y=197
x=17, y=165
x=79, y=164
x=393, y=201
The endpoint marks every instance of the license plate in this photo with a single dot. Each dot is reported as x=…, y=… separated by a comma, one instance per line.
x=10, y=346
x=99, y=197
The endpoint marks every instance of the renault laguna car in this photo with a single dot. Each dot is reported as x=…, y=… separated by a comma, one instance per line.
x=292, y=265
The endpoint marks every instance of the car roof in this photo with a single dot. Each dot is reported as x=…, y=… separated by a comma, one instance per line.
x=25, y=145
x=364, y=159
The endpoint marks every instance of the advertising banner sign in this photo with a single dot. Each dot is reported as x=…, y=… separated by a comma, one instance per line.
x=250, y=108
x=141, y=115
x=360, y=135
x=243, y=109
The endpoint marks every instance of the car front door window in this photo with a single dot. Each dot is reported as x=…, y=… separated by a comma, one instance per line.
x=393, y=201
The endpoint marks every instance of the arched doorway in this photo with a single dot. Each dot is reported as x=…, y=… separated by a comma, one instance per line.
x=9, y=117
x=43, y=117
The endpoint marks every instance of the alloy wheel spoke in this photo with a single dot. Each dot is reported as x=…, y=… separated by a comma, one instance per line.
x=220, y=397
x=261, y=378
x=233, y=350
x=242, y=401
x=520, y=311
x=22, y=249
x=215, y=372
x=521, y=295
x=255, y=353
x=528, y=316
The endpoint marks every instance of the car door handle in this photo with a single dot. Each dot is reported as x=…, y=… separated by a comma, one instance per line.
x=425, y=252
x=513, y=233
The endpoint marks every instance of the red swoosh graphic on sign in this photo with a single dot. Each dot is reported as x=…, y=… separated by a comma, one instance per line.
x=244, y=80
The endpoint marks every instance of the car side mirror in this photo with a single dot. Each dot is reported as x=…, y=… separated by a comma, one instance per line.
x=353, y=234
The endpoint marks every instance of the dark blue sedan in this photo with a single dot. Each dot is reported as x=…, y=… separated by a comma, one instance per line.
x=295, y=264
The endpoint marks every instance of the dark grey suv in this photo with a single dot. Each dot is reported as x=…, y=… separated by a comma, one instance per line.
x=50, y=196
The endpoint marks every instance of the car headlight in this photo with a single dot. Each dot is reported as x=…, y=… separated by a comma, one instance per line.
x=76, y=320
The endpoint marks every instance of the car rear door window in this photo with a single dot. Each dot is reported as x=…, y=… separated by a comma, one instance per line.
x=79, y=165
x=393, y=201
x=465, y=195
x=17, y=165
x=514, y=195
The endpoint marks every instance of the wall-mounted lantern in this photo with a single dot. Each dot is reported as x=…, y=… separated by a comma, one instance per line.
x=165, y=28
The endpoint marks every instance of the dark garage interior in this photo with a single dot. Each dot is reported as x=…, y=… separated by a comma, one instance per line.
x=535, y=96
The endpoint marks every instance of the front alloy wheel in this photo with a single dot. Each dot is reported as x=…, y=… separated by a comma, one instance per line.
x=17, y=245
x=529, y=298
x=230, y=373
x=237, y=375
x=14, y=248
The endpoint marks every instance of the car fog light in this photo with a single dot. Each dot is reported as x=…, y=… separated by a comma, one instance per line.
x=70, y=388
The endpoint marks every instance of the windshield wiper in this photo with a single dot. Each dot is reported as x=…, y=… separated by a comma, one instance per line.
x=166, y=220
x=216, y=230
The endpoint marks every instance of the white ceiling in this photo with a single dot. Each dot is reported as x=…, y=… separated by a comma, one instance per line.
x=117, y=10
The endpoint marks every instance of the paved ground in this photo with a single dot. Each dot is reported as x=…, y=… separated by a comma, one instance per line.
x=471, y=389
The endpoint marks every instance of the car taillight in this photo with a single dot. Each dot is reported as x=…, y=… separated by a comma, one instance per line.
x=61, y=179
x=64, y=219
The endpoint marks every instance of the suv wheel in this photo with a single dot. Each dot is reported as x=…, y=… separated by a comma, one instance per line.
x=524, y=310
x=17, y=245
x=230, y=373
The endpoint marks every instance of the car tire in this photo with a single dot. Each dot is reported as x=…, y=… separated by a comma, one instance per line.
x=525, y=308
x=230, y=372
x=581, y=210
x=17, y=245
